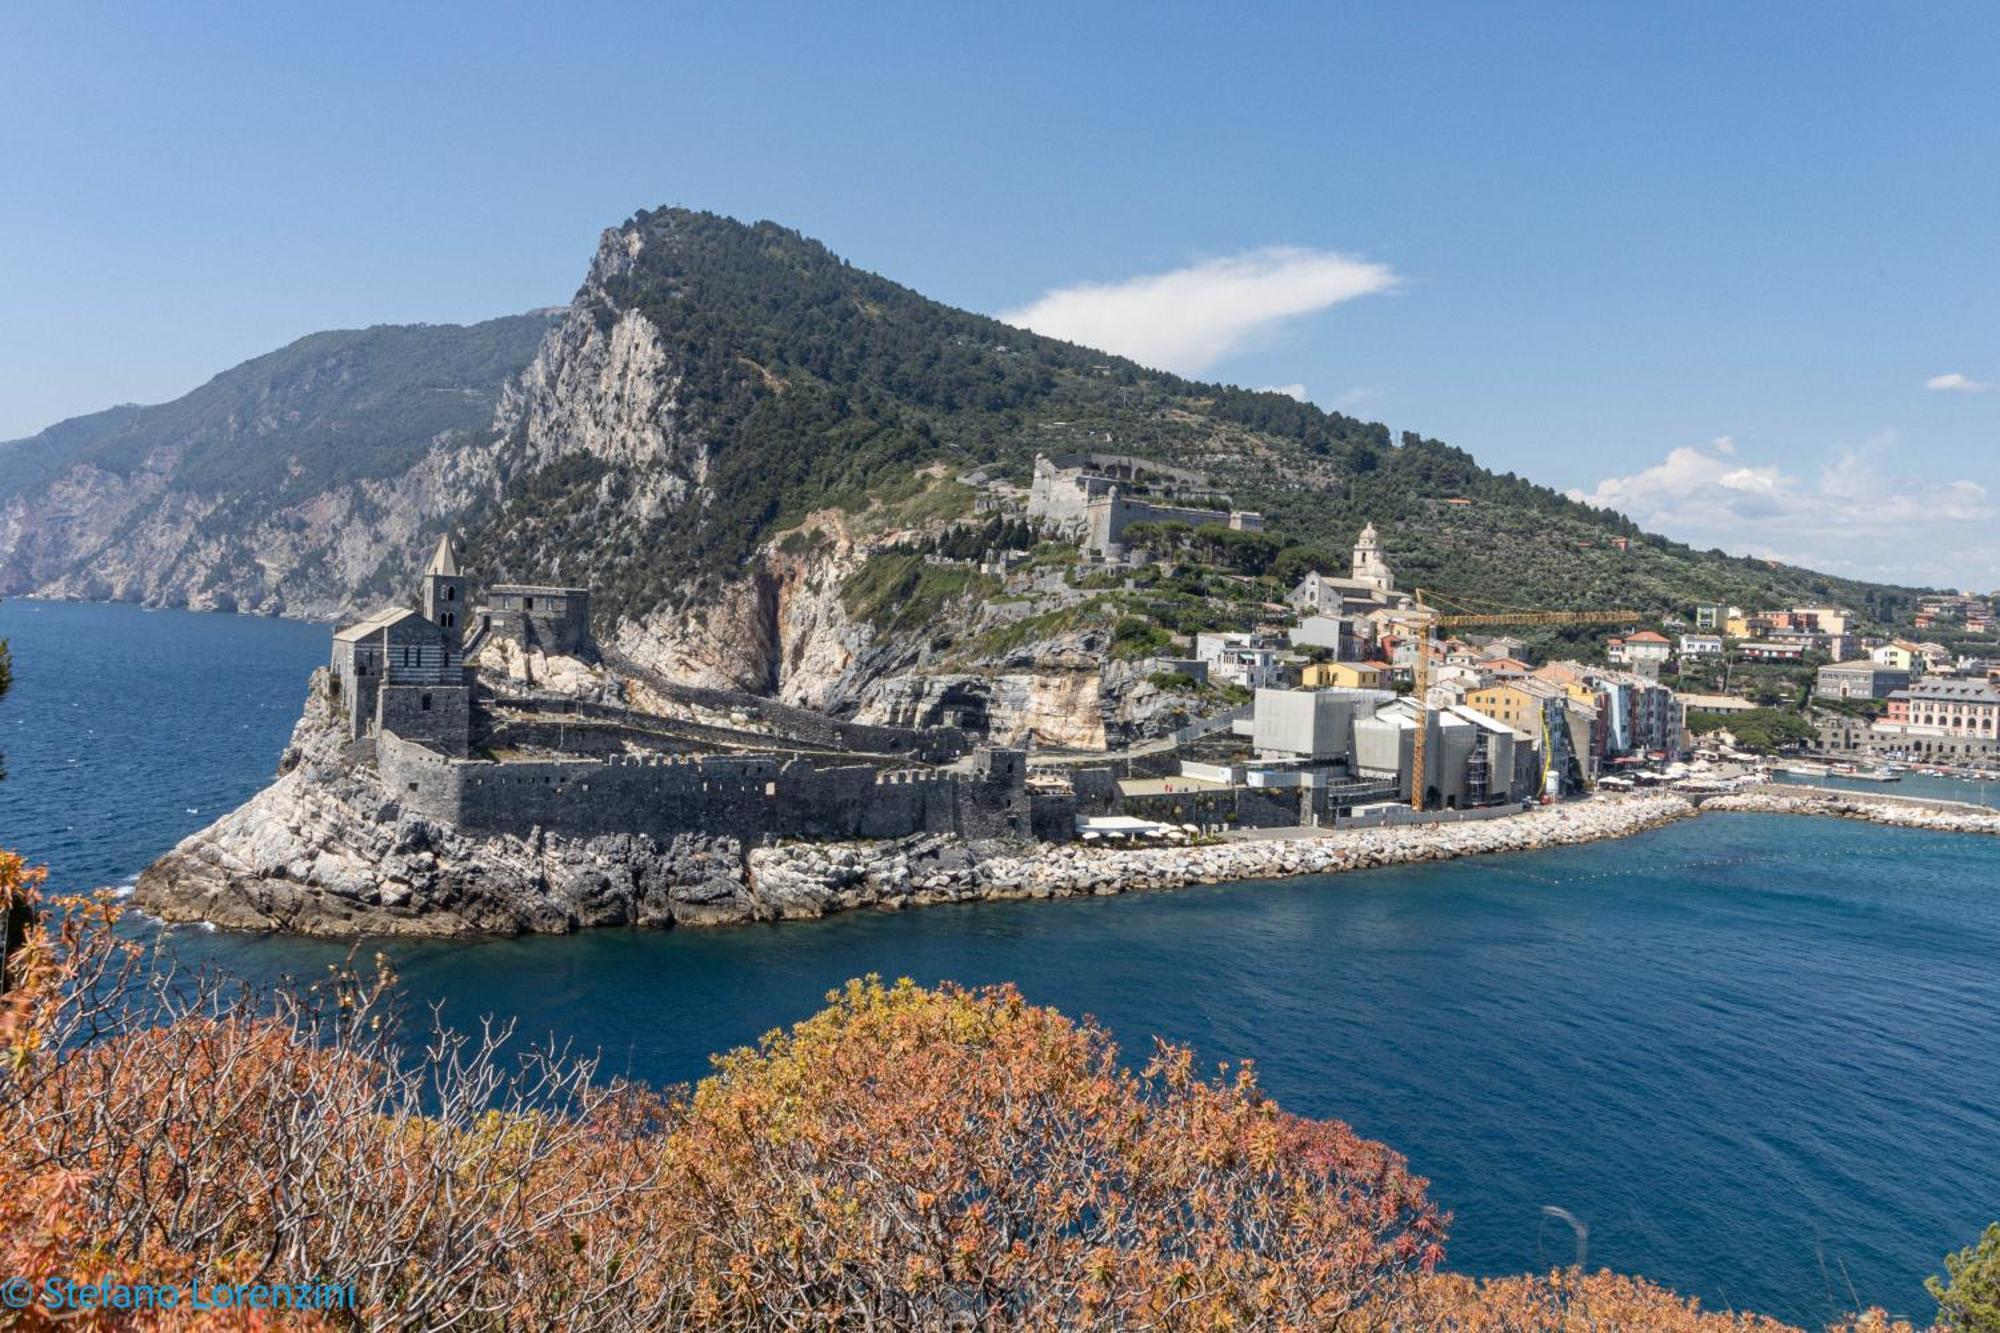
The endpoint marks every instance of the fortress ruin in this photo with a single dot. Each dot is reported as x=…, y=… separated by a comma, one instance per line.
x=448, y=745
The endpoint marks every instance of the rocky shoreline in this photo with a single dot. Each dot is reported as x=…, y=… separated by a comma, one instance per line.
x=814, y=879
x=323, y=852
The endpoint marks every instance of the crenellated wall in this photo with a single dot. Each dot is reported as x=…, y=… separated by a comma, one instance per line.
x=747, y=797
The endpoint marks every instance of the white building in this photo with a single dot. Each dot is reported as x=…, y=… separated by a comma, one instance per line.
x=1238, y=659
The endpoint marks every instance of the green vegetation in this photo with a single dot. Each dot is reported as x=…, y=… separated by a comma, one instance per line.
x=903, y=592
x=1969, y=1297
x=807, y=382
x=1761, y=730
x=1136, y=636
x=1212, y=544
x=972, y=541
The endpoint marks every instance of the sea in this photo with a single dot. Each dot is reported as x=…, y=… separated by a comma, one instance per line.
x=1757, y=1056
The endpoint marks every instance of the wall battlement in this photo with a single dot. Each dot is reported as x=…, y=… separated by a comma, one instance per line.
x=748, y=797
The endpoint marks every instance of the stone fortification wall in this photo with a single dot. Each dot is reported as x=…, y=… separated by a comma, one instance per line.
x=745, y=797
x=555, y=620
x=438, y=715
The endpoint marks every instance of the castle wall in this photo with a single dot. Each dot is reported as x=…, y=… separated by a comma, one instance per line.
x=555, y=620
x=746, y=797
x=439, y=716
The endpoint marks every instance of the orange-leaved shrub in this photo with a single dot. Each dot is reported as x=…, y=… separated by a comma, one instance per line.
x=906, y=1159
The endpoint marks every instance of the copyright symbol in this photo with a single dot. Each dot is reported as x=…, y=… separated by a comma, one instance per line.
x=16, y=1292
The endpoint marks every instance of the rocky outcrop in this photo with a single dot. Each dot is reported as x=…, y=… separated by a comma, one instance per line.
x=323, y=852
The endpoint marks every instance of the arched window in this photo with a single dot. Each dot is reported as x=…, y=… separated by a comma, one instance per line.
x=450, y=593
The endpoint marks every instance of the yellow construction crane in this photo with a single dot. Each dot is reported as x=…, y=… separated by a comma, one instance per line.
x=1428, y=618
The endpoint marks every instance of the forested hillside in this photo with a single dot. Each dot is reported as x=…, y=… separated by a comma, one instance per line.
x=805, y=382
x=226, y=496
x=712, y=383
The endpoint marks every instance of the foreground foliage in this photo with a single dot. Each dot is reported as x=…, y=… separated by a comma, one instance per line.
x=905, y=1159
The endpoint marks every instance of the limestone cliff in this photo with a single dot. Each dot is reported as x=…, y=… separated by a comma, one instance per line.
x=302, y=483
x=323, y=852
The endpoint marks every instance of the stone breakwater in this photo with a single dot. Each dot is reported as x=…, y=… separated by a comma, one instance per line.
x=1936, y=816
x=806, y=880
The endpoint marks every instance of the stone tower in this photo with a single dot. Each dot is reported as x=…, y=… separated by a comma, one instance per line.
x=444, y=593
x=1369, y=567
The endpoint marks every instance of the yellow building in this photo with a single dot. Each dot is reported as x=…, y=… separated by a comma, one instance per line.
x=1737, y=625
x=1345, y=675
x=1512, y=702
x=1896, y=656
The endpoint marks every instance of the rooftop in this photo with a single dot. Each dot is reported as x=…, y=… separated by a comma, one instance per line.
x=372, y=624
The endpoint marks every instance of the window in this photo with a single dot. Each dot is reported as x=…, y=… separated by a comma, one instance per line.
x=527, y=603
x=426, y=703
x=450, y=593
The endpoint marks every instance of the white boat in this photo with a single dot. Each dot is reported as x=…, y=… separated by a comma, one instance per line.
x=1873, y=775
x=1805, y=770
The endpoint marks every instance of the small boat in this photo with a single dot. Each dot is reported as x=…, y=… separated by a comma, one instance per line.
x=1873, y=775
x=1799, y=770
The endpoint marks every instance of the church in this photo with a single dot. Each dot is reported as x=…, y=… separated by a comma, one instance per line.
x=1370, y=587
x=404, y=670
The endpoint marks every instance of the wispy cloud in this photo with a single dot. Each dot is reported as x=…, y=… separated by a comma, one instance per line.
x=1855, y=515
x=1188, y=319
x=1956, y=383
x=1297, y=391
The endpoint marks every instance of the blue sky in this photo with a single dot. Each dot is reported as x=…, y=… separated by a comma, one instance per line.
x=1698, y=261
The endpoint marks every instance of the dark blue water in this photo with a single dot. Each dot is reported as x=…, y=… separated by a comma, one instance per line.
x=1756, y=1054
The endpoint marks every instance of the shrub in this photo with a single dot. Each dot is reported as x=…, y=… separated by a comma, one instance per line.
x=1969, y=1297
x=905, y=1159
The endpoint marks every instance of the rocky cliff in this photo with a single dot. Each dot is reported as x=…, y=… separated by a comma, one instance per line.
x=722, y=434
x=301, y=483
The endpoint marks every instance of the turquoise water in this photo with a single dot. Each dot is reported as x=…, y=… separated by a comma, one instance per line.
x=1912, y=784
x=1756, y=1054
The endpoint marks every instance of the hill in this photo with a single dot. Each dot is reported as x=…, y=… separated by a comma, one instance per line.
x=754, y=452
x=804, y=382
x=221, y=496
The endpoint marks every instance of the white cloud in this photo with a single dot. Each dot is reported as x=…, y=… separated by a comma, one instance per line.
x=1956, y=383
x=1297, y=391
x=1853, y=516
x=1188, y=319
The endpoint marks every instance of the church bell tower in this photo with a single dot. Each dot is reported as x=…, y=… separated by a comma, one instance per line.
x=444, y=592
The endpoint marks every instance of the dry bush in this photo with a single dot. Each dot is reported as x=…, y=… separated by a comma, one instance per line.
x=921, y=1159
x=1573, y=1302
x=906, y=1159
